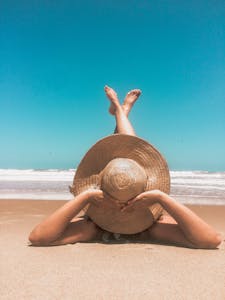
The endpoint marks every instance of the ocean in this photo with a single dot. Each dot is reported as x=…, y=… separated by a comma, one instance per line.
x=188, y=187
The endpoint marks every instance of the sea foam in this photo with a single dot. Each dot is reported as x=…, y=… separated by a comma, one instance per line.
x=195, y=187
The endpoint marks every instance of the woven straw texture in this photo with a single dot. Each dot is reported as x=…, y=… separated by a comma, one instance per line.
x=88, y=175
x=123, y=179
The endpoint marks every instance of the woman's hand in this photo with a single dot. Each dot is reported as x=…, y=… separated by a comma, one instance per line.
x=143, y=200
x=94, y=196
x=97, y=197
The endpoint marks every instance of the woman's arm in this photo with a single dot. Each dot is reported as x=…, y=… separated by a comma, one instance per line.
x=53, y=226
x=195, y=230
x=190, y=230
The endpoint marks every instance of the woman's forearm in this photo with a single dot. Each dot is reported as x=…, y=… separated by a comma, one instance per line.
x=53, y=226
x=193, y=227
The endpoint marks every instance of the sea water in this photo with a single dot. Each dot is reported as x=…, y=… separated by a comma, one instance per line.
x=190, y=187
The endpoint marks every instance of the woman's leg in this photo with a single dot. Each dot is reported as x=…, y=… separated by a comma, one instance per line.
x=123, y=125
x=128, y=103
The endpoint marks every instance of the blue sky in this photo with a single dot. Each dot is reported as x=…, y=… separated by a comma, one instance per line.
x=55, y=59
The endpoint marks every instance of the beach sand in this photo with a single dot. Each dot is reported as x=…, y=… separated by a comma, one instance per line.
x=104, y=271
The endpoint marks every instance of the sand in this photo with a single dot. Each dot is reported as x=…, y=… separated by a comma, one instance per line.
x=104, y=271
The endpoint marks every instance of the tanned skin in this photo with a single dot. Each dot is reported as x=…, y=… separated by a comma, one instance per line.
x=180, y=226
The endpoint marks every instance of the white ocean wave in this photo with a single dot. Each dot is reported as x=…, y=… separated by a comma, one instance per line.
x=196, y=174
x=195, y=186
x=206, y=186
x=66, y=175
x=37, y=196
x=203, y=182
x=36, y=175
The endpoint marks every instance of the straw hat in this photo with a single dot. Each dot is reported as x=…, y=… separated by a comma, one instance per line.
x=123, y=166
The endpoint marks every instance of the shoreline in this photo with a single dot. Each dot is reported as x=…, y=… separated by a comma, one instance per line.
x=180, y=199
x=187, y=187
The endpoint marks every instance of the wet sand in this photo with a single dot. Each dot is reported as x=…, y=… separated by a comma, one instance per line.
x=104, y=271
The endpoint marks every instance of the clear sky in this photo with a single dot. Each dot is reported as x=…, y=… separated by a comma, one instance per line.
x=56, y=57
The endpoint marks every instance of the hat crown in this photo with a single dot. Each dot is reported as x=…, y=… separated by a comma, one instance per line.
x=123, y=179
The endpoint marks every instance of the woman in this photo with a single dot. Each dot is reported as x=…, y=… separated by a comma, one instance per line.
x=180, y=226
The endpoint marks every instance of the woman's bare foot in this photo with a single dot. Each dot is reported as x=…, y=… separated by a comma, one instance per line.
x=112, y=95
x=128, y=103
x=130, y=99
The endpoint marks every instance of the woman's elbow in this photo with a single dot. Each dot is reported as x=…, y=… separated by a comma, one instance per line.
x=212, y=243
x=216, y=241
x=37, y=239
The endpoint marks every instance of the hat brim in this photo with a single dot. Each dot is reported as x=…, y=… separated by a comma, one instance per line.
x=122, y=146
